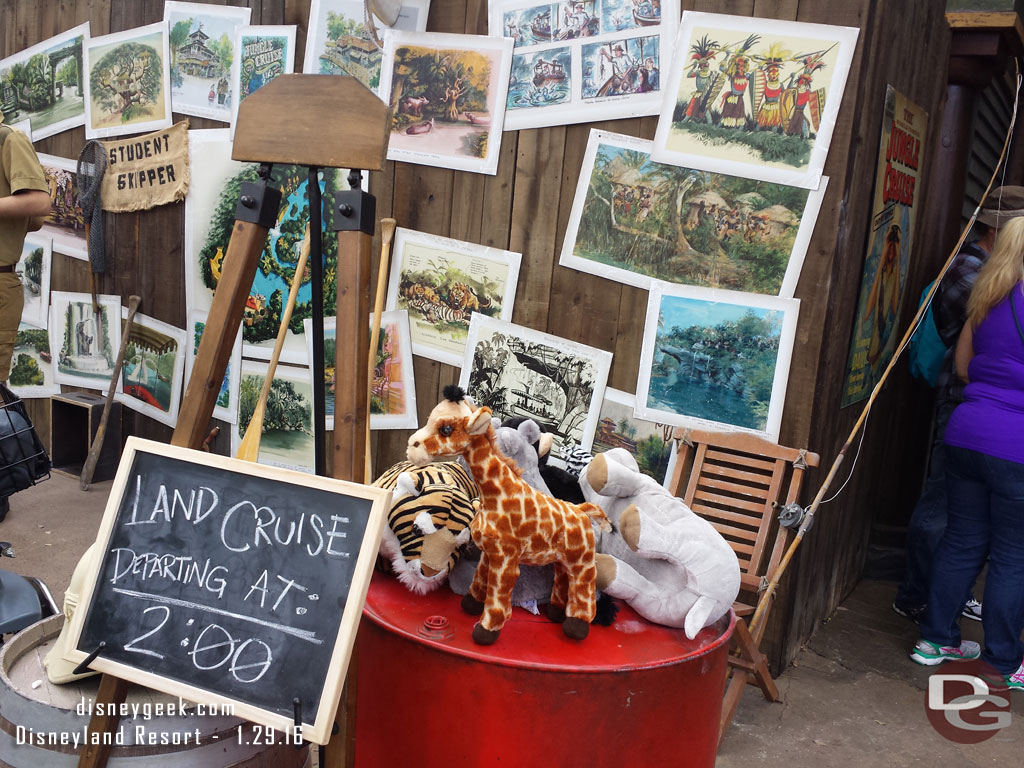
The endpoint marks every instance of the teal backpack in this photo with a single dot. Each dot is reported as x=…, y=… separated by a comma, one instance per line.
x=927, y=349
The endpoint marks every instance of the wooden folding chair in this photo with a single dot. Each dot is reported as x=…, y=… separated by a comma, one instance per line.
x=735, y=481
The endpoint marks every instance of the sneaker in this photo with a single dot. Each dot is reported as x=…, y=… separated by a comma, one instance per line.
x=930, y=654
x=972, y=609
x=1015, y=682
x=913, y=613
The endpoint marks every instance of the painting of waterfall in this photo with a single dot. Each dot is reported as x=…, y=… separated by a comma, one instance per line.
x=517, y=371
x=715, y=359
x=153, y=367
x=85, y=340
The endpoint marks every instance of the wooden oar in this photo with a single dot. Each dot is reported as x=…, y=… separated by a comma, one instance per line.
x=387, y=232
x=249, y=450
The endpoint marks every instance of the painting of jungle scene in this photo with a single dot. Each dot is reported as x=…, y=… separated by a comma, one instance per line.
x=128, y=82
x=32, y=364
x=33, y=269
x=66, y=222
x=152, y=369
x=287, y=439
x=516, y=371
x=85, y=339
x=648, y=442
x=635, y=220
x=713, y=360
x=262, y=313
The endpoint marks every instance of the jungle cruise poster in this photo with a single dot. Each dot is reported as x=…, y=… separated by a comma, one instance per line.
x=904, y=125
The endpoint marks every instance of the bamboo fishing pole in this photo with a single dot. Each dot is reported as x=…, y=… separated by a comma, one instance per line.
x=387, y=232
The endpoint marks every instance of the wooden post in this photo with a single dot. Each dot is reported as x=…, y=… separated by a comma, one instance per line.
x=112, y=690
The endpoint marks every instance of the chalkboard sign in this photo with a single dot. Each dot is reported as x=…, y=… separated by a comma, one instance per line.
x=226, y=581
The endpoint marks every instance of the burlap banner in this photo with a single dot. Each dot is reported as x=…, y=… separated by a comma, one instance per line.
x=146, y=171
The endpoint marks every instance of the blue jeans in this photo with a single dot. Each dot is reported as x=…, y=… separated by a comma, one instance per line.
x=928, y=521
x=986, y=519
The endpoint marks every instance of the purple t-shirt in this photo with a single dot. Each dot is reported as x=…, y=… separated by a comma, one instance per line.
x=991, y=418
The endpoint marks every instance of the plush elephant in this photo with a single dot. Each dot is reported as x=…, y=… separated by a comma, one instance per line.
x=670, y=565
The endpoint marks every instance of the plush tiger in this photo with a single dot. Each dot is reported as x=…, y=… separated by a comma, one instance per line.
x=428, y=523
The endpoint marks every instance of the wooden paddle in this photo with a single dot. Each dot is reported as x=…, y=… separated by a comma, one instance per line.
x=249, y=450
x=387, y=232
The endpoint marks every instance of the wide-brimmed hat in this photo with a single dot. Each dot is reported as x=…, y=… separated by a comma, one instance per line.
x=1001, y=205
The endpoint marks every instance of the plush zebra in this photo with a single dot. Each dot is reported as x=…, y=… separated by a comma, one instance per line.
x=428, y=523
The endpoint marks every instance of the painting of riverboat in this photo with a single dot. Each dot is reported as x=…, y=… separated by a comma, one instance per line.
x=517, y=371
x=153, y=368
x=716, y=359
x=540, y=79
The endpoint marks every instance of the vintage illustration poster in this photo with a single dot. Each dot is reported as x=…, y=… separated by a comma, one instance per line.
x=85, y=341
x=339, y=42
x=393, y=390
x=890, y=241
x=209, y=218
x=715, y=359
x=635, y=220
x=203, y=48
x=153, y=368
x=127, y=78
x=288, y=424
x=649, y=443
x=66, y=224
x=263, y=53
x=754, y=97
x=517, y=371
x=44, y=86
x=33, y=269
x=225, y=407
x=447, y=95
x=32, y=364
x=578, y=61
x=442, y=282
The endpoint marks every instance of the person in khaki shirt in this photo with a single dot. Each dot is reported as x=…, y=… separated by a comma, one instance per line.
x=24, y=198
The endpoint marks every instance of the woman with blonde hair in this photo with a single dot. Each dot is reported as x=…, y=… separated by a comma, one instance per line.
x=985, y=474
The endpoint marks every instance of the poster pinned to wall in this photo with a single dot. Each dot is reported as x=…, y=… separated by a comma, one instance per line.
x=890, y=241
x=578, y=61
x=44, y=85
x=648, y=442
x=225, y=407
x=448, y=115
x=517, y=371
x=287, y=427
x=754, y=97
x=209, y=219
x=153, y=368
x=393, y=390
x=262, y=54
x=203, y=47
x=442, y=282
x=635, y=220
x=715, y=359
x=66, y=224
x=32, y=364
x=339, y=42
x=127, y=79
x=33, y=269
x=84, y=341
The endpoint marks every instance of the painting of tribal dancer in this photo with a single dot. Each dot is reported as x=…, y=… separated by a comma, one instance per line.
x=754, y=97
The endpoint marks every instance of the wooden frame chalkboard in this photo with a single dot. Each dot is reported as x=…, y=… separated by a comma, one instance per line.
x=227, y=582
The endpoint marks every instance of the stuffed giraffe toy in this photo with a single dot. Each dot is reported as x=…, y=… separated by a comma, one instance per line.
x=515, y=525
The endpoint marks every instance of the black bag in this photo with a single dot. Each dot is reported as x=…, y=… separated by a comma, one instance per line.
x=23, y=460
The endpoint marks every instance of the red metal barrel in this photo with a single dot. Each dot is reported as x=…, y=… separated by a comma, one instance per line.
x=633, y=694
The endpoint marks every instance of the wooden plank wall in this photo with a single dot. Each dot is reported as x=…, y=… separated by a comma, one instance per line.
x=525, y=208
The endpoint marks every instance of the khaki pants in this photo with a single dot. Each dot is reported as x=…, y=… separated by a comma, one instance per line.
x=12, y=301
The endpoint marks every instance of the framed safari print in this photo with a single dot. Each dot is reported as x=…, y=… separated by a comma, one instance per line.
x=32, y=364
x=715, y=359
x=66, y=223
x=153, y=368
x=203, y=47
x=225, y=407
x=447, y=115
x=754, y=97
x=393, y=390
x=649, y=443
x=128, y=82
x=635, y=220
x=288, y=427
x=85, y=341
x=339, y=42
x=33, y=269
x=517, y=371
x=263, y=53
x=49, y=78
x=441, y=282
x=578, y=61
